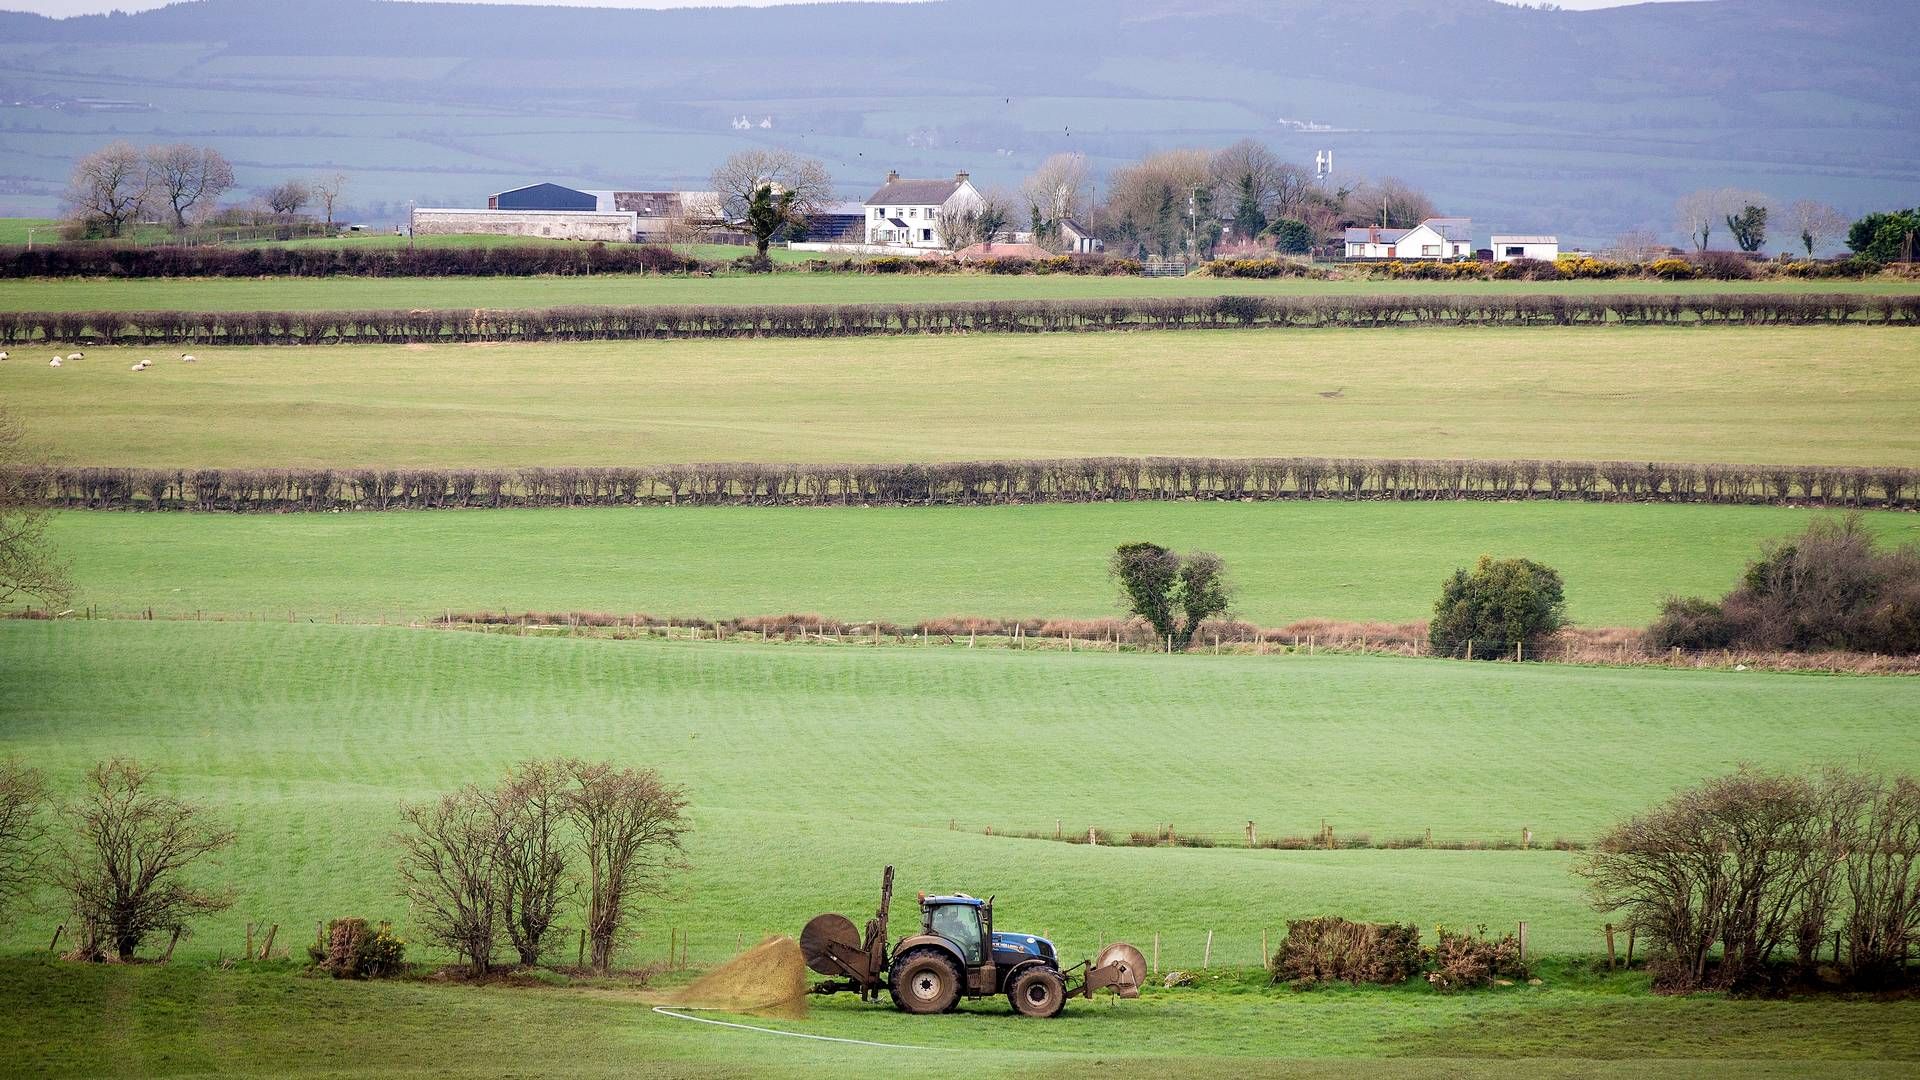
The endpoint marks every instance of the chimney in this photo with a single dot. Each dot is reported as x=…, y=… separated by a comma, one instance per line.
x=892, y=175
x=961, y=177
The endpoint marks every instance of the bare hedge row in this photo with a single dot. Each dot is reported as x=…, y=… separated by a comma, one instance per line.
x=520, y=260
x=999, y=316
x=970, y=483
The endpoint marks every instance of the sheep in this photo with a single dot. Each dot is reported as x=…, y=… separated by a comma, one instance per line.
x=55, y=362
x=140, y=366
x=76, y=356
x=3, y=354
x=189, y=358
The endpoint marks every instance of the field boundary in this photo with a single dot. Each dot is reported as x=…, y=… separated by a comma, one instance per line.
x=968, y=483
x=698, y=321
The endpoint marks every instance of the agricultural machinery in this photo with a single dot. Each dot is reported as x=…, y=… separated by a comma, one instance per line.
x=957, y=953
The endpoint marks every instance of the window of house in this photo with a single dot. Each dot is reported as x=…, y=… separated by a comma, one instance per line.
x=926, y=234
x=1430, y=249
x=913, y=211
x=1516, y=252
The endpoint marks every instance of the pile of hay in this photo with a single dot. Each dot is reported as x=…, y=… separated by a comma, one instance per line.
x=769, y=979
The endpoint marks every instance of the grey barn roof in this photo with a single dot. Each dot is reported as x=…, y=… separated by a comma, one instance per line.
x=914, y=193
x=1375, y=236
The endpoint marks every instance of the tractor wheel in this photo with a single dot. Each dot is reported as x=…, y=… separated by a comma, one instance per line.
x=1038, y=992
x=925, y=981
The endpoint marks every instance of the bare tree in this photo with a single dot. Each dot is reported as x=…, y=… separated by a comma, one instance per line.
x=108, y=189
x=1637, y=246
x=1163, y=203
x=187, y=178
x=1880, y=829
x=1389, y=203
x=449, y=873
x=964, y=225
x=769, y=190
x=631, y=824
x=1255, y=188
x=122, y=867
x=29, y=565
x=23, y=796
x=1698, y=213
x=1815, y=223
x=287, y=199
x=1059, y=190
x=532, y=862
x=327, y=189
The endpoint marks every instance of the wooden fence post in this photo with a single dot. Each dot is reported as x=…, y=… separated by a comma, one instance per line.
x=1252, y=836
x=1523, y=941
x=1630, y=932
x=266, y=950
x=1609, y=929
x=580, y=955
x=175, y=940
x=57, y=931
x=1156, y=952
x=1266, y=958
x=673, y=945
x=1207, y=960
x=249, y=953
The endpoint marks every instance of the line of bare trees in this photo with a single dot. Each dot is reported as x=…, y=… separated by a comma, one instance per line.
x=118, y=186
x=484, y=863
x=1759, y=880
x=965, y=483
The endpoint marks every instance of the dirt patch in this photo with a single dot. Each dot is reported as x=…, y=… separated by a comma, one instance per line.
x=769, y=979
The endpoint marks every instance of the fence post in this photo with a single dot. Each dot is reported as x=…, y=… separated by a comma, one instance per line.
x=673, y=945
x=1609, y=931
x=1092, y=838
x=1523, y=941
x=1207, y=960
x=266, y=950
x=167, y=957
x=1266, y=958
x=580, y=954
x=249, y=952
x=62, y=928
x=1630, y=932
x=1056, y=828
x=1253, y=836
x=1156, y=952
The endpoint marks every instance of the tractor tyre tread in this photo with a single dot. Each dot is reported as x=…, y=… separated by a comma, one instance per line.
x=1044, y=1005
x=931, y=961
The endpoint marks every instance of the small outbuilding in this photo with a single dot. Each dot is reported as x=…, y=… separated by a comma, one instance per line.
x=1537, y=248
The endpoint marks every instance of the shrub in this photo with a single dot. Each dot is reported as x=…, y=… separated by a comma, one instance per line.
x=1828, y=588
x=1500, y=604
x=1692, y=623
x=354, y=950
x=1671, y=269
x=1465, y=961
x=1332, y=949
x=1175, y=594
x=1723, y=266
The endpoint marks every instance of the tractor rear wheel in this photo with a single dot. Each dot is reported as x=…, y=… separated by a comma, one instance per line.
x=1038, y=992
x=924, y=981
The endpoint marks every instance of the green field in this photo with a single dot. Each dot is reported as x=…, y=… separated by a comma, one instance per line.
x=318, y=294
x=188, y=1019
x=16, y=230
x=1793, y=395
x=801, y=767
x=1371, y=561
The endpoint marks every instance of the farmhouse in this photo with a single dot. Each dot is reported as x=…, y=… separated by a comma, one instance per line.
x=1540, y=248
x=1076, y=239
x=906, y=213
x=1434, y=238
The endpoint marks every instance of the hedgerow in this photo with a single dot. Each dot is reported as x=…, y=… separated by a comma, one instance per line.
x=967, y=483
x=586, y=323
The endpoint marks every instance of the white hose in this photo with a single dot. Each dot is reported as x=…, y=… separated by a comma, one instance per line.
x=664, y=1011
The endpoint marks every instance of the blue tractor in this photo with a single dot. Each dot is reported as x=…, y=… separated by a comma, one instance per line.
x=957, y=954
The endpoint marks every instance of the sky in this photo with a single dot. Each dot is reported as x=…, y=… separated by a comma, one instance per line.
x=91, y=7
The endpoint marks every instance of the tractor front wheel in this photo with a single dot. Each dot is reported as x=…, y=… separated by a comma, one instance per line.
x=925, y=981
x=1038, y=992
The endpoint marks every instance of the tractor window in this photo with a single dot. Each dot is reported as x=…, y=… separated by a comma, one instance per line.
x=959, y=924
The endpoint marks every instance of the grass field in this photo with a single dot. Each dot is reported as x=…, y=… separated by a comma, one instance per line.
x=313, y=294
x=810, y=767
x=188, y=1019
x=16, y=230
x=1371, y=561
x=1813, y=395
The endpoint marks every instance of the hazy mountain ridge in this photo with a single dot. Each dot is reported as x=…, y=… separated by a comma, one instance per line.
x=1585, y=122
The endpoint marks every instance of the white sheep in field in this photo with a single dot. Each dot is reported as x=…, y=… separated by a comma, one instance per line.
x=189, y=358
x=3, y=355
x=141, y=366
x=76, y=356
x=55, y=362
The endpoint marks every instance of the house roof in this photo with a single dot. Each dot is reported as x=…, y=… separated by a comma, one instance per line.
x=1072, y=226
x=1452, y=228
x=896, y=223
x=914, y=192
x=1371, y=235
x=1502, y=238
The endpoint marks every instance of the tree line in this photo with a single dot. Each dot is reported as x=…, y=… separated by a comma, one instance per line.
x=690, y=321
x=960, y=483
x=119, y=186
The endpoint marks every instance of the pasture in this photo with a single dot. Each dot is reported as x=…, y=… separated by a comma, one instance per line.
x=1290, y=560
x=808, y=768
x=1787, y=395
x=355, y=293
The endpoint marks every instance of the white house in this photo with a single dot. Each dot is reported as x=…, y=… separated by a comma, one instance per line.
x=1434, y=238
x=1077, y=240
x=906, y=213
x=1540, y=248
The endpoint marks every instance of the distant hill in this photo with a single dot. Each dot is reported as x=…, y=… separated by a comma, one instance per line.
x=1584, y=123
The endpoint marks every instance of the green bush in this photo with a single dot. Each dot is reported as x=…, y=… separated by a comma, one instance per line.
x=1484, y=613
x=1332, y=949
x=1692, y=623
x=354, y=950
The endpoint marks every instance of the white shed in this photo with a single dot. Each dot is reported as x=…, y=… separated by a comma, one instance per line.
x=1538, y=248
